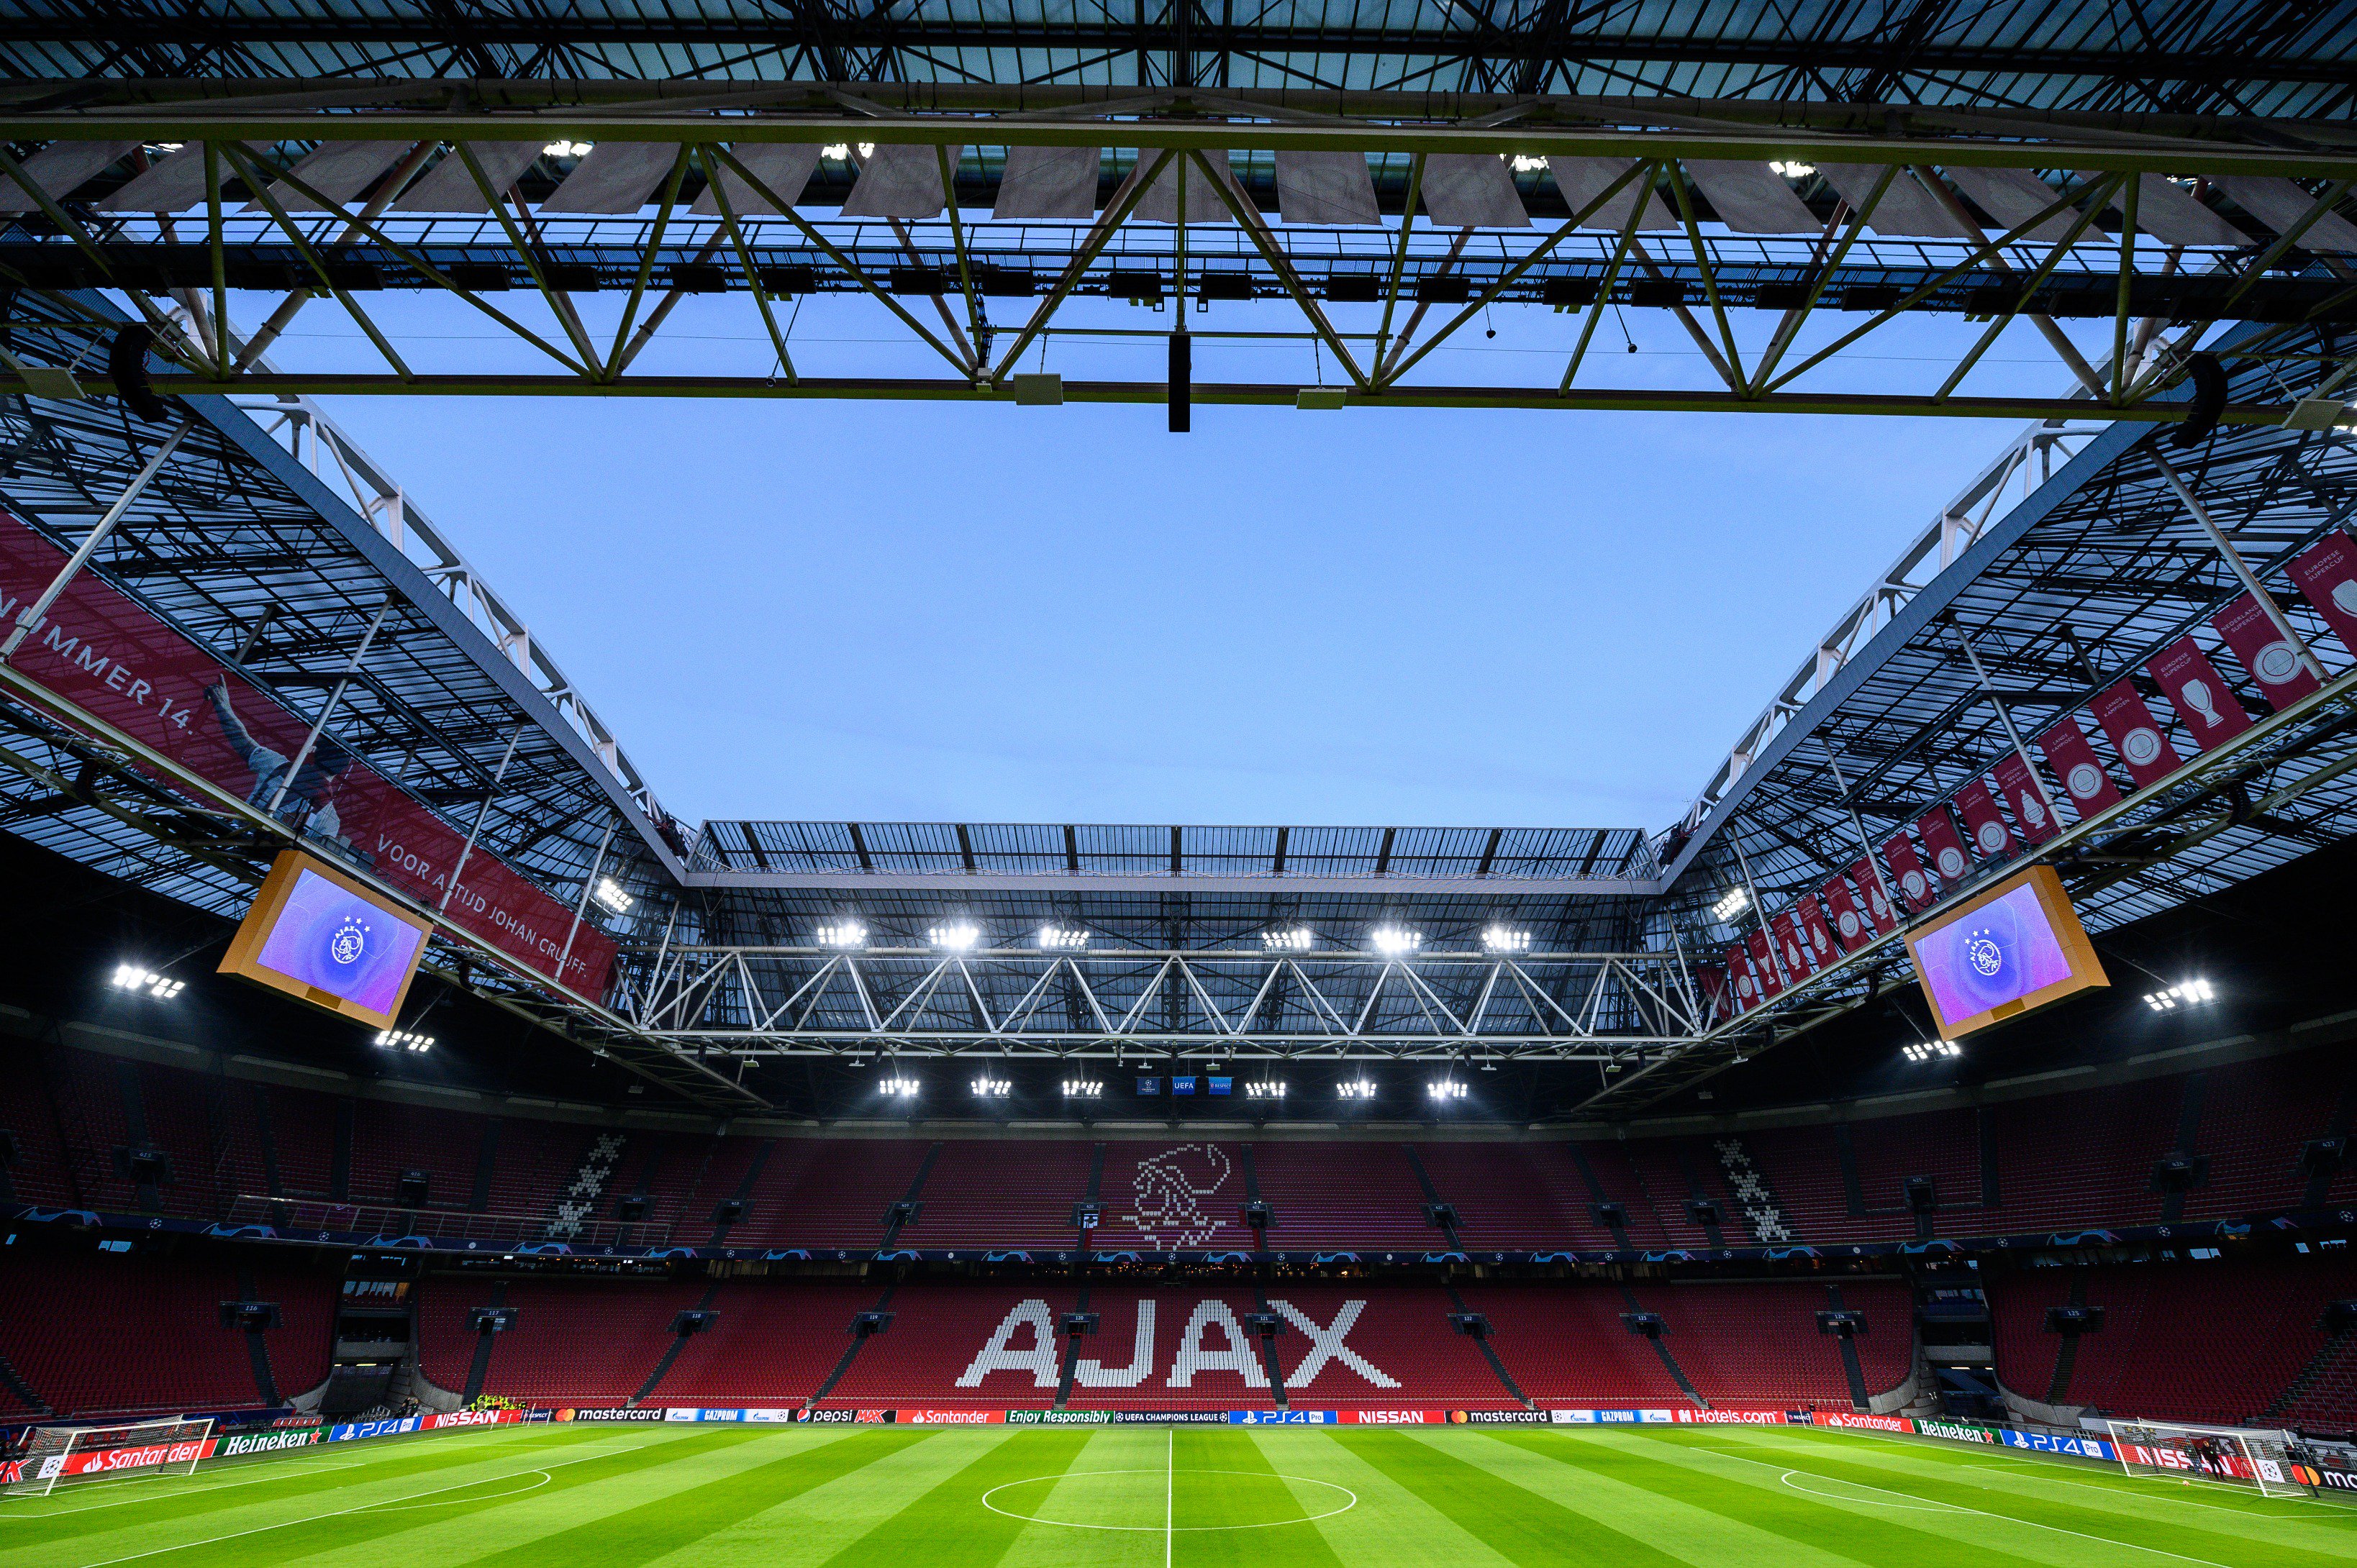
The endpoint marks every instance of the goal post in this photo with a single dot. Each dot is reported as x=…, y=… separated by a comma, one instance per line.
x=171, y=1446
x=2268, y=1460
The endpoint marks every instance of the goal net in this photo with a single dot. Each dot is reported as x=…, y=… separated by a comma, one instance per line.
x=2270, y=1461
x=58, y=1454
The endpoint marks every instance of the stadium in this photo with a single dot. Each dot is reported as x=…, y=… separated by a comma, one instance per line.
x=1928, y=1143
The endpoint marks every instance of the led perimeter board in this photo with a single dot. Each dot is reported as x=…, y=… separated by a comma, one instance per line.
x=2015, y=948
x=316, y=934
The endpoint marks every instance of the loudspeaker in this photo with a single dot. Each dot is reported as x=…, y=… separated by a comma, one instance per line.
x=2209, y=401
x=127, y=366
x=1182, y=379
x=632, y=1208
x=409, y=1192
x=692, y=1321
x=1921, y=1197
x=866, y=1325
x=1648, y=1324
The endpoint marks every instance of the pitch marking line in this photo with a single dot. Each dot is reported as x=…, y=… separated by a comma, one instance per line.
x=332, y=1513
x=26, y=1515
x=1960, y=1507
x=1168, y=1528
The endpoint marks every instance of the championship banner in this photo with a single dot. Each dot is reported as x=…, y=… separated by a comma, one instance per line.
x=106, y=654
x=1820, y=933
x=2021, y=792
x=1850, y=925
x=2326, y=575
x=2136, y=734
x=1907, y=866
x=1742, y=990
x=2072, y=757
x=2198, y=692
x=1991, y=835
x=1943, y=844
x=1786, y=936
x=2272, y=657
x=1878, y=912
x=1763, y=967
x=1712, y=980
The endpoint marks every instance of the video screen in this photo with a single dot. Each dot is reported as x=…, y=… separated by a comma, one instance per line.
x=316, y=934
x=2018, y=947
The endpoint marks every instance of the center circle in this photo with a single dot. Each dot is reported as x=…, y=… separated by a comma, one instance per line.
x=1117, y=1497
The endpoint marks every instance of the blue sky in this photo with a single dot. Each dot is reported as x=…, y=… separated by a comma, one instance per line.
x=910, y=610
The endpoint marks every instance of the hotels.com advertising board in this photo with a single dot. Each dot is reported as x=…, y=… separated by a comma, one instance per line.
x=118, y=662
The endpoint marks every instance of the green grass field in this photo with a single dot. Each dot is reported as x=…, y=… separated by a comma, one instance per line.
x=1697, y=1498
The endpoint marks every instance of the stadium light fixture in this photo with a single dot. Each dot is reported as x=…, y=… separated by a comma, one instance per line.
x=566, y=149
x=1083, y=1089
x=1791, y=170
x=609, y=892
x=404, y=1040
x=1731, y=903
x=2185, y=994
x=1355, y=1089
x=133, y=977
x=1445, y=1089
x=1506, y=939
x=958, y=936
x=992, y=1088
x=1292, y=939
x=1264, y=1089
x=1524, y=163
x=842, y=934
x=1393, y=941
x=1932, y=1051
x=899, y=1088
x=1062, y=938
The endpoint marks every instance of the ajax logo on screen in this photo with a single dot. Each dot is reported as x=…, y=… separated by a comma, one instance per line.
x=1985, y=957
x=348, y=942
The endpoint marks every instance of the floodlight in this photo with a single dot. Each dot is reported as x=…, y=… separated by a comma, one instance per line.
x=566, y=149
x=845, y=933
x=1791, y=170
x=1289, y=939
x=1394, y=941
x=609, y=892
x=1731, y=903
x=992, y=1088
x=1505, y=939
x=1356, y=1089
x=133, y=977
x=901, y=1087
x=1264, y=1089
x=2183, y=994
x=1062, y=938
x=1931, y=1050
x=957, y=936
x=1524, y=163
x=1083, y=1087
x=404, y=1040
x=1445, y=1089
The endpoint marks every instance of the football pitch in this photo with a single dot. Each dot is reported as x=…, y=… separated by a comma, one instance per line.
x=605, y=1496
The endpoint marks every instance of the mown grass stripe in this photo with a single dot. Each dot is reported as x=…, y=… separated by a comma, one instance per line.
x=1220, y=1494
x=344, y=1522
x=2072, y=1526
x=1707, y=1517
x=948, y=1522
x=1518, y=1524
x=683, y=1518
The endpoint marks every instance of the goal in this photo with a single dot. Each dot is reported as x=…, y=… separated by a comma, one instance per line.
x=2272, y=1461
x=170, y=1446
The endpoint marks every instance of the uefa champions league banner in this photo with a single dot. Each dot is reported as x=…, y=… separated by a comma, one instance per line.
x=120, y=663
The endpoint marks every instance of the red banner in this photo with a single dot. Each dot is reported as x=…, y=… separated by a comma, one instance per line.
x=2198, y=692
x=1814, y=926
x=1716, y=998
x=2326, y=573
x=1732, y=1417
x=2072, y=757
x=119, y=663
x=2135, y=732
x=1742, y=990
x=1943, y=844
x=1763, y=967
x=1797, y=966
x=2272, y=657
x=2022, y=792
x=1914, y=883
x=1991, y=836
x=1851, y=927
x=1878, y=912
x=99, y=1461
